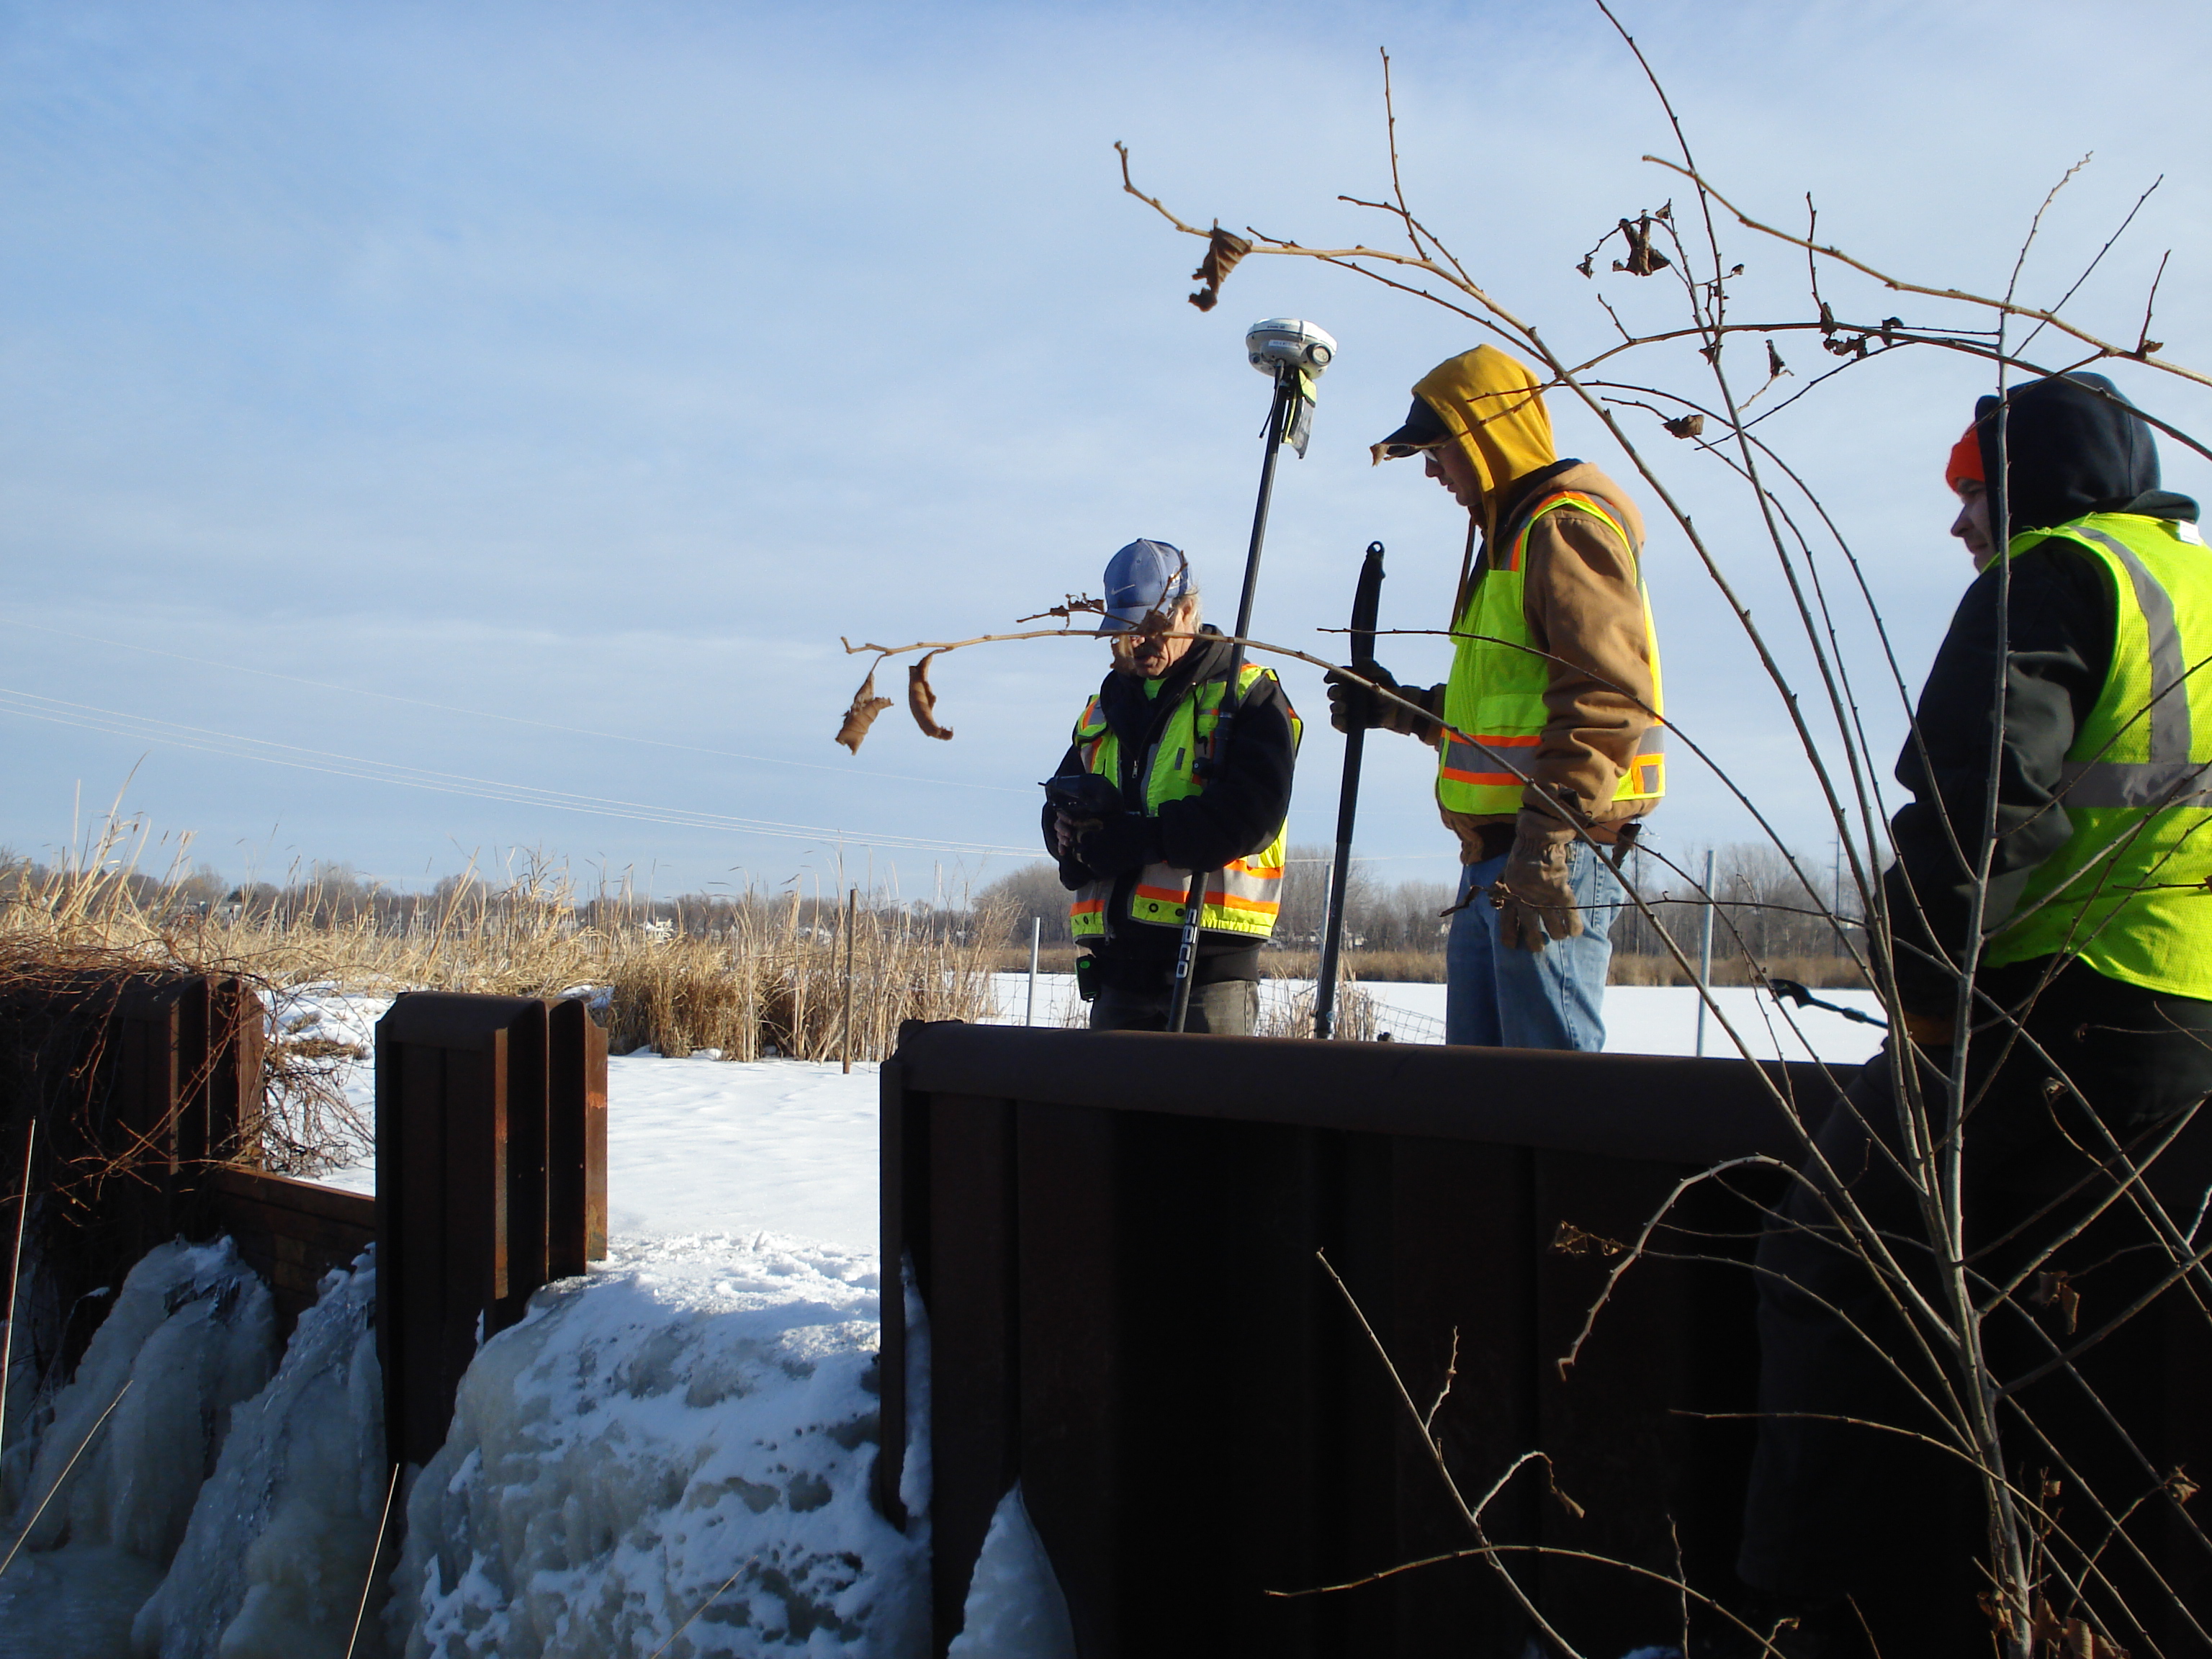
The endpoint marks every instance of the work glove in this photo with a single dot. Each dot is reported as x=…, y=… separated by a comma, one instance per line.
x=1354, y=709
x=1533, y=896
x=1122, y=841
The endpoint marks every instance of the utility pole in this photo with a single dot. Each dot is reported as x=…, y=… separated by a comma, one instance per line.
x=1705, y=954
x=852, y=904
x=1036, y=937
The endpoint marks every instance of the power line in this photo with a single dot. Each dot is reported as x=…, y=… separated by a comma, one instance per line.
x=232, y=745
x=491, y=715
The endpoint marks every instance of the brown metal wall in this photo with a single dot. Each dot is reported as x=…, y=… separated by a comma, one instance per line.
x=140, y=1083
x=491, y=1182
x=1114, y=1236
x=492, y=1138
x=291, y=1232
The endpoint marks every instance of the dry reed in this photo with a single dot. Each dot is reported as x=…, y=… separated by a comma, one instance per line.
x=767, y=982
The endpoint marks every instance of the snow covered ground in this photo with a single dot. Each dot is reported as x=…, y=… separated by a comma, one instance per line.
x=1640, y=1020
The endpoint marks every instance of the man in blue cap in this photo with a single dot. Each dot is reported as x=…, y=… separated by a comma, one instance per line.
x=1187, y=802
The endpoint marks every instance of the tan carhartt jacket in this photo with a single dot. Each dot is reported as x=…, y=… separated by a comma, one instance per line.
x=1580, y=594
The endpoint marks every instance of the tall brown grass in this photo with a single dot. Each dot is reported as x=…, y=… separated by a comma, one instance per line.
x=768, y=981
x=1820, y=972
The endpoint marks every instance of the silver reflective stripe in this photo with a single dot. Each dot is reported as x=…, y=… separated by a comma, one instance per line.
x=2153, y=784
x=2168, y=710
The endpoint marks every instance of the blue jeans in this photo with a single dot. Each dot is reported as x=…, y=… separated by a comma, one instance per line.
x=1498, y=996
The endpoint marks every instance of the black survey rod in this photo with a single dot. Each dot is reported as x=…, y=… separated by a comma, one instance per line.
x=1193, y=904
x=1366, y=600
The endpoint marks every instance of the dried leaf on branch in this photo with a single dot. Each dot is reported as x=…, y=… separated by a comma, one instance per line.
x=1685, y=426
x=1077, y=605
x=866, y=705
x=1643, y=258
x=922, y=700
x=1223, y=250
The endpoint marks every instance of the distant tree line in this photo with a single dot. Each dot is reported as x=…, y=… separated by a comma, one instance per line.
x=1763, y=912
x=1761, y=909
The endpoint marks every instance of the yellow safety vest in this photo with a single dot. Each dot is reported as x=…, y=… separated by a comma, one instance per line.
x=2128, y=892
x=1496, y=692
x=1243, y=899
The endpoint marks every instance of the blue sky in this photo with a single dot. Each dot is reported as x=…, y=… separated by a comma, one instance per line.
x=531, y=395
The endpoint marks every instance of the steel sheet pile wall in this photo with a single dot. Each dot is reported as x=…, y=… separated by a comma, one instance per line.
x=491, y=1182
x=141, y=1084
x=1115, y=1237
x=291, y=1232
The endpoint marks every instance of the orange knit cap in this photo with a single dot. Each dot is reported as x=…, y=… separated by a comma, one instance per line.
x=1966, y=460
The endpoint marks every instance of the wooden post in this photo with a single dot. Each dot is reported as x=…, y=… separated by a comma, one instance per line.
x=852, y=904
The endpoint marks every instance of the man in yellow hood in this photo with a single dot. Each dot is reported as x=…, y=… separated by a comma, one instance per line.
x=1555, y=678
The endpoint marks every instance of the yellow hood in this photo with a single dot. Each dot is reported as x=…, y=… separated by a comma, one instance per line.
x=1489, y=403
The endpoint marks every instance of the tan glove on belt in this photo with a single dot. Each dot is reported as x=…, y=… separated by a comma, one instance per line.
x=1534, y=897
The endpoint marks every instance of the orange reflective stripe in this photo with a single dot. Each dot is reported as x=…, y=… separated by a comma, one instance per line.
x=1213, y=900
x=1469, y=756
x=1230, y=902
x=1086, y=906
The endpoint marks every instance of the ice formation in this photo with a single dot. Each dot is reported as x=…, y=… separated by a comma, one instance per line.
x=685, y=1436
x=274, y=1560
x=191, y=1334
x=1015, y=1608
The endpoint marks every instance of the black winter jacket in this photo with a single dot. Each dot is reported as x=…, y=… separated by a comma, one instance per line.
x=1237, y=812
x=2073, y=447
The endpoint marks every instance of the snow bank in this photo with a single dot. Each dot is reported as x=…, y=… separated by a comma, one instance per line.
x=293, y=1501
x=686, y=1435
x=191, y=1334
x=1015, y=1608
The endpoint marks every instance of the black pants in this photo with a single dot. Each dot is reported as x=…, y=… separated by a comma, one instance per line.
x=1831, y=1505
x=1227, y=1007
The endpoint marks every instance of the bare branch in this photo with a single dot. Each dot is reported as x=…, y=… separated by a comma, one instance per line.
x=2105, y=348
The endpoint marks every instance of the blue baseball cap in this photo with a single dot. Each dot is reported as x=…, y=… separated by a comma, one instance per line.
x=1144, y=577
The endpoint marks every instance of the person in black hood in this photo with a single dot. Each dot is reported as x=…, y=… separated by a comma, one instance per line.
x=2087, y=989
x=2071, y=447
x=1184, y=802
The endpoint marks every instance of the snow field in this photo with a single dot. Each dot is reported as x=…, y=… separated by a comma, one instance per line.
x=1640, y=1019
